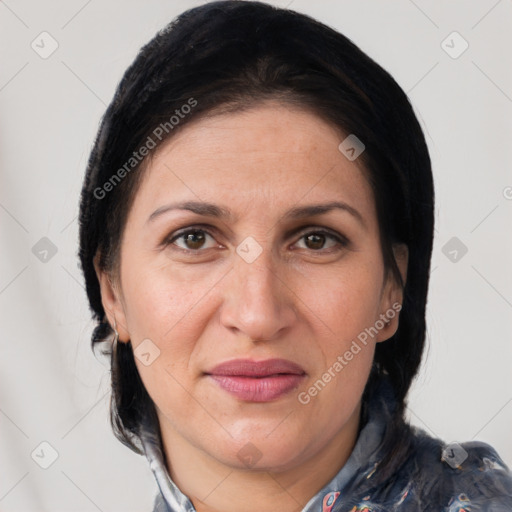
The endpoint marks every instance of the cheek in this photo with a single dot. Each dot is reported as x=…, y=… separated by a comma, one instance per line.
x=349, y=306
x=160, y=305
x=157, y=295
x=346, y=299
x=171, y=306
x=164, y=309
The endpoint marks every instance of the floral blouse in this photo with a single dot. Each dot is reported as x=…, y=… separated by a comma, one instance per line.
x=435, y=477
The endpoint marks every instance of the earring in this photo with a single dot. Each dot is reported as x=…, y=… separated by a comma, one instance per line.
x=114, y=342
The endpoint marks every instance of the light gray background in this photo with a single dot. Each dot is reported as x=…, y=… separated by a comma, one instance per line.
x=53, y=389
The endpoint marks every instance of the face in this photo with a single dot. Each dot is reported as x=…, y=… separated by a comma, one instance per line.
x=256, y=277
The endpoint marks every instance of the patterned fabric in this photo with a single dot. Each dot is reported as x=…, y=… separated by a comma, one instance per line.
x=435, y=477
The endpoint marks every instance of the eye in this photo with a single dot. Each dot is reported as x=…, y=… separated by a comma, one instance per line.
x=315, y=240
x=193, y=239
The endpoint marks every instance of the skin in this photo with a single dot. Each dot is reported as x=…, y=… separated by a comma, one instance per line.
x=302, y=299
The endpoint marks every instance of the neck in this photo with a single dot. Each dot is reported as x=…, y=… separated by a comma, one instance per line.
x=216, y=487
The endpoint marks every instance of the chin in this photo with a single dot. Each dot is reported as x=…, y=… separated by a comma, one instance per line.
x=256, y=449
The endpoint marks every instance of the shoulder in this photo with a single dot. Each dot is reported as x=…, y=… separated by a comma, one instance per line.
x=459, y=476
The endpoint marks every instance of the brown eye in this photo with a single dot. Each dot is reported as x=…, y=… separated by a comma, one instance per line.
x=193, y=239
x=315, y=240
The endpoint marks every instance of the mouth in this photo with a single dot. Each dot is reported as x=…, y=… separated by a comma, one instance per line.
x=257, y=381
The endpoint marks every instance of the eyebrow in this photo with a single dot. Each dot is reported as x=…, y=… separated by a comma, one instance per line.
x=213, y=210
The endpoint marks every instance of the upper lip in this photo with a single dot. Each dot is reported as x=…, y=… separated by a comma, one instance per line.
x=248, y=367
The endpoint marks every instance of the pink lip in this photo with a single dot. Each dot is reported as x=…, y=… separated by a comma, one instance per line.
x=257, y=381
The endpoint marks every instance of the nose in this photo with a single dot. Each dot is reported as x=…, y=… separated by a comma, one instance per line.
x=258, y=302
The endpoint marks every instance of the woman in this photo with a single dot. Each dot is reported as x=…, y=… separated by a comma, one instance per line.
x=256, y=229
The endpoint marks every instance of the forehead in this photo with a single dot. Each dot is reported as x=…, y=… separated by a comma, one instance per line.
x=271, y=155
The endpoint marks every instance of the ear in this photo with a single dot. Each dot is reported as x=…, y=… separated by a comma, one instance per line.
x=111, y=298
x=392, y=295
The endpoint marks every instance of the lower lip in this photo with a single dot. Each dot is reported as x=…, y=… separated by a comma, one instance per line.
x=258, y=389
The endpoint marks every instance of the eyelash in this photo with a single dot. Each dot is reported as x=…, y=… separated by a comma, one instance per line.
x=340, y=239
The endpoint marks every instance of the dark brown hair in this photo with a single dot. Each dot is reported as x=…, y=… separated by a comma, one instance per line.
x=229, y=56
